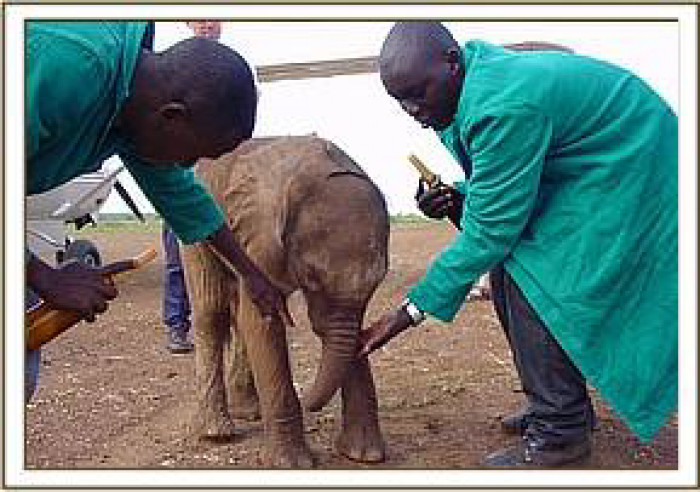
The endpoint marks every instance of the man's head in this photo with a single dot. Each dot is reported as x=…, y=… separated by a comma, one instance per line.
x=196, y=99
x=421, y=67
x=206, y=29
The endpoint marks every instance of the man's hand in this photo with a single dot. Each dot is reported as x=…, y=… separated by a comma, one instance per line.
x=267, y=298
x=383, y=330
x=73, y=286
x=440, y=202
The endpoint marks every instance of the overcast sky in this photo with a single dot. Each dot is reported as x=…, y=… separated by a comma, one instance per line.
x=355, y=112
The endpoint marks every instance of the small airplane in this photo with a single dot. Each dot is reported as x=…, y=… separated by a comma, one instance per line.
x=75, y=202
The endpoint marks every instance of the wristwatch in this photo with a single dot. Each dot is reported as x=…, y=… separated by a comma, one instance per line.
x=417, y=316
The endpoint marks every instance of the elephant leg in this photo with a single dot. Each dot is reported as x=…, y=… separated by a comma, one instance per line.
x=360, y=438
x=209, y=296
x=266, y=346
x=243, y=401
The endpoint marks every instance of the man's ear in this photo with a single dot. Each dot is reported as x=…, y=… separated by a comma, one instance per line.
x=173, y=110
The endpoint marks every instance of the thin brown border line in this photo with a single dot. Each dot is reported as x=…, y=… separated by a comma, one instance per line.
x=338, y=21
x=342, y=20
x=2, y=240
x=368, y=20
x=396, y=3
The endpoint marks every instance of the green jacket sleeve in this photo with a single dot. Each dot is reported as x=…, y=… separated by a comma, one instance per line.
x=179, y=197
x=507, y=147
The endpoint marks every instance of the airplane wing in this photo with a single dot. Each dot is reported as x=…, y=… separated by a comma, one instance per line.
x=98, y=185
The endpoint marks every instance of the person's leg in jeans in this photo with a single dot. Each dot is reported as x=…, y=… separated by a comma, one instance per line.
x=558, y=425
x=176, y=303
x=32, y=358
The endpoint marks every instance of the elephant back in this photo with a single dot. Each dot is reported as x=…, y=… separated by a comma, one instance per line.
x=265, y=181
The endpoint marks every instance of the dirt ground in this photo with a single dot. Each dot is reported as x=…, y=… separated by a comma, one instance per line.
x=111, y=396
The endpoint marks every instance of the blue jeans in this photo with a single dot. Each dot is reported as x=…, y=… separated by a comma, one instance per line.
x=176, y=303
x=32, y=358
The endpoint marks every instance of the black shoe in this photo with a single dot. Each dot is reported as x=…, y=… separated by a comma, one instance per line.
x=516, y=422
x=178, y=342
x=535, y=453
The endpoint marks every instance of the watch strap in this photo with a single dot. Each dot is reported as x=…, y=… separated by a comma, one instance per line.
x=417, y=316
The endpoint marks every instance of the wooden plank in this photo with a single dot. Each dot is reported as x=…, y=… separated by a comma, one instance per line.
x=321, y=68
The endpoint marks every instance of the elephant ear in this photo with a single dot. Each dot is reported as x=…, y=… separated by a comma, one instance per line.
x=343, y=163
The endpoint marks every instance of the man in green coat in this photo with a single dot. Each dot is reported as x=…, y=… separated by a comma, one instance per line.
x=571, y=167
x=96, y=89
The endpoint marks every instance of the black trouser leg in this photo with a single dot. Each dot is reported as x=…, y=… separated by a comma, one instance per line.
x=498, y=296
x=555, y=388
x=517, y=421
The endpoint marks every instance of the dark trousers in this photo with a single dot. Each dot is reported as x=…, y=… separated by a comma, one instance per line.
x=176, y=302
x=560, y=408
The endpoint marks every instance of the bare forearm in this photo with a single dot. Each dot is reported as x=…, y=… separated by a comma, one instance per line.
x=227, y=248
x=263, y=293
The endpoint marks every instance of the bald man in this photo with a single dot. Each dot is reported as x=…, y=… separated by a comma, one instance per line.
x=159, y=112
x=571, y=185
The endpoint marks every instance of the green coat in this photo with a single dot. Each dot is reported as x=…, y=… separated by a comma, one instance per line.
x=78, y=75
x=572, y=168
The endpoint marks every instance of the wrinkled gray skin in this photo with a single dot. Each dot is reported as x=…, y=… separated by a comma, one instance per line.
x=310, y=218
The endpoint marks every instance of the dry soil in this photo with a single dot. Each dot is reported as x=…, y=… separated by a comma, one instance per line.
x=111, y=396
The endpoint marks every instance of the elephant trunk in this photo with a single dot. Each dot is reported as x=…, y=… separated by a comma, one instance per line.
x=337, y=355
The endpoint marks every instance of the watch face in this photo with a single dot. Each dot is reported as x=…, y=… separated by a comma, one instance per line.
x=413, y=312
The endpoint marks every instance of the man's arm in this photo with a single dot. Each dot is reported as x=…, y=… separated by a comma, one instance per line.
x=509, y=148
x=266, y=297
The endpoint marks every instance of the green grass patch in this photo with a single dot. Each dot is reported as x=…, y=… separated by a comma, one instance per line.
x=108, y=223
x=409, y=219
x=119, y=223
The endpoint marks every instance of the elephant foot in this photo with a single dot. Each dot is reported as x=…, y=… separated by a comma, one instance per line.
x=214, y=426
x=361, y=444
x=289, y=456
x=285, y=445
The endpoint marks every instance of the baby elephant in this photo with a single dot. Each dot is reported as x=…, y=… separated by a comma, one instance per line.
x=313, y=221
